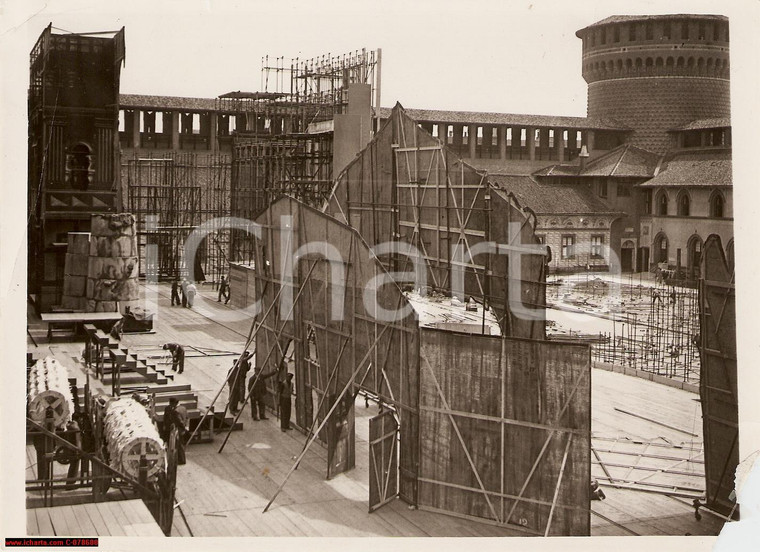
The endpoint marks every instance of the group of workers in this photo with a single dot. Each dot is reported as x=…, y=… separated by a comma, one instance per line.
x=183, y=293
x=257, y=390
x=236, y=380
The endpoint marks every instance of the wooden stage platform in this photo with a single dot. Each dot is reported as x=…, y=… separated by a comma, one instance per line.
x=224, y=494
x=122, y=518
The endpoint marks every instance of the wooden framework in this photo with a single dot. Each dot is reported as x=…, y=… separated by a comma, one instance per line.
x=181, y=192
x=333, y=355
x=718, y=381
x=266, y=167
x=407, y=186
x=340, y=345
x=506, y=435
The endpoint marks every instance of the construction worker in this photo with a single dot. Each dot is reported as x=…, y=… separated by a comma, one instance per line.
x=175, y=293
x=236, y=380
x=285, y=392
x=224, y=291
x=183, y=286
x=178, y=356
x=173, y=418
x=257, y=389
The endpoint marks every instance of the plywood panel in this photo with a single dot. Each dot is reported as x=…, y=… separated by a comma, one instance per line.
x=496, y=417
x=718, y=378
x=339, y=339
x=407, y=186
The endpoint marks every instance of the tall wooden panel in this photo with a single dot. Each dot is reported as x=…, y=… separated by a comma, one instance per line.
x=718, y=377
x=505, y=427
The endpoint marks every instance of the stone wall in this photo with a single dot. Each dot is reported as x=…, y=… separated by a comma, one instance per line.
x=112, y=265
x=75, y=272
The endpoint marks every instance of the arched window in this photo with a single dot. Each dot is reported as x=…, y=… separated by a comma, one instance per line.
x=684, y=204
x=730, y=254
x=661, y=248
x=680, y=61
x=690, y=63
x=694, y=252
x=662, y=203
x=716, y=204
x=628, y=64
x=78, y=169
x=669, y=63
x=658, y=62
x=638, y=63
x=650, y=62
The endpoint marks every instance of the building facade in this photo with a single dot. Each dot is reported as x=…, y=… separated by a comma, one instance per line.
x=73, y=148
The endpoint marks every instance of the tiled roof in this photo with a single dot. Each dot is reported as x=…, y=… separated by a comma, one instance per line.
x=643, y=18
x=486, y=118
x=545, y=199
x=522, y=167
x=167, y=102
x=623, y=161
x=558, y=170
x=699, y=124
x=703, y=168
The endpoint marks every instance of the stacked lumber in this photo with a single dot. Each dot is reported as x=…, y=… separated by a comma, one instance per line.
x=75, y=272
x=112, y=265
x=130, y=434
x=48, y=387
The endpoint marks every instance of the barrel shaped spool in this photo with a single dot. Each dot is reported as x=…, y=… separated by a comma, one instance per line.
x=48, y=387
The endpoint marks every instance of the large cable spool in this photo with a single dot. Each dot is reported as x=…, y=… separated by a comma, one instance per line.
x=130, y=434
x=48, y=387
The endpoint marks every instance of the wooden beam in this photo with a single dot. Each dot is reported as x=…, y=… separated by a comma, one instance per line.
x=559, y=482
x=461, y=441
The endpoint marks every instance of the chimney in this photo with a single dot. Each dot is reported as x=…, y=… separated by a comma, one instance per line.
x=583, y=155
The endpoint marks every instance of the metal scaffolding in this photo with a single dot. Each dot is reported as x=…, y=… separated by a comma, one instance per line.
x=183, y=191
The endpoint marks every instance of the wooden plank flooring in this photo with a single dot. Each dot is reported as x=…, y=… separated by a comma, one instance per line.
x=115, y=519
x=224, y=494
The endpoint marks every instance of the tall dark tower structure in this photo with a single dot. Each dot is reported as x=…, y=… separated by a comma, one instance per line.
x=73, y=147
x=657, y=73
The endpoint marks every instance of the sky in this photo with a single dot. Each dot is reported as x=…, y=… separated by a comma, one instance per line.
x=516, y=56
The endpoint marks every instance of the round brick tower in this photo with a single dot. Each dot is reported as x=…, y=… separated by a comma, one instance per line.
x=656, y=73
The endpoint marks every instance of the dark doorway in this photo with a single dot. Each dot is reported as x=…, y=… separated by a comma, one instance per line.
x=626, y=258
x=643, y=260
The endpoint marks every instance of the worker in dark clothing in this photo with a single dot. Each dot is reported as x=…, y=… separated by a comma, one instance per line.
x=285, y=392
x=175, y=293
x=224, y=291
x=70, y=456
x=178, y=356
x=236, y=381
x=257, y=388
x=172, y=419
x=87, y=440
